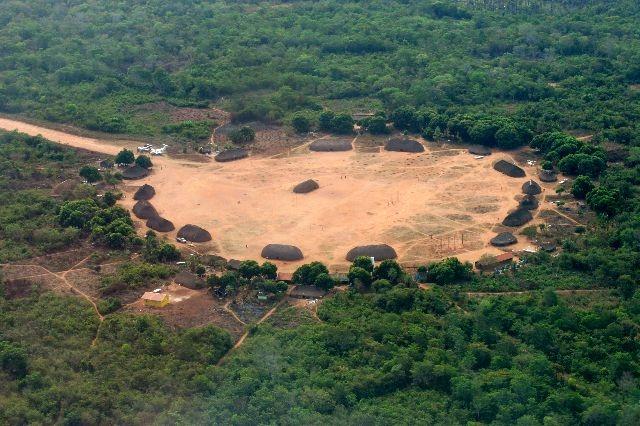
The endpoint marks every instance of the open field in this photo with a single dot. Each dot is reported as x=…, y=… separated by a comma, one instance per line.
x=439, y=203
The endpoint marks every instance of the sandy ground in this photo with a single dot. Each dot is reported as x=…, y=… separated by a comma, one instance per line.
x=439, y=203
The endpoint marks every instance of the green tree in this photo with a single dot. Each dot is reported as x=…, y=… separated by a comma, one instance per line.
x=363, y=262
x=604, y=200
x=125, y=157
x=144, y=162
x=269, y=270
x=324, y=281
x=301, y=122
x=581, y=186
x=91, y=174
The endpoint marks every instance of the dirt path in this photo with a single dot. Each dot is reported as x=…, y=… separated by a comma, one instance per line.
x=232, y=312
x=266, y=316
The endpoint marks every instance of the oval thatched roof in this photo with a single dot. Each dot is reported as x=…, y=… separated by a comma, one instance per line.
x=529, y=202
x=404, y=145
x=503, y=239
x=194, y=234
x=282, y=252
x=324, y=145
x=377, y=251
x=479, y=150
x=144, y=210
x=145, y=192
x=531, y=187
x=509, y=169
x=135, y=172
x=517, y=218
x=306, y=186
x=189, y=280
x=232, y=155
x=160, y=224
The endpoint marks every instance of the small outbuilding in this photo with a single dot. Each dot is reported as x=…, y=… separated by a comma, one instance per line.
x=547, y=175
x=327, y=145
x=231, y=155
x=492, y=263
x=135, y=172
x=155, y=300
x=479, y=150
x=377, y=251
x=194, y=234
x=517, y=218
x=529, y=202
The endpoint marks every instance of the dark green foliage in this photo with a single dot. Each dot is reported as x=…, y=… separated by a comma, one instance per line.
x=144, y=161
x=581, y=186
x=243, y=135
x=133, y=275
x=91, y=174
x=190, y=130
x=125, y=157
x=301, y=122
x=13, y=360
x=449, y=271
x=249, y=269
x=604, y=200
x=308, y=273
x=324, y=281
x=363, y=262
x=155, y=250
x=269, y=270
x=109, y=305
x=376, y=125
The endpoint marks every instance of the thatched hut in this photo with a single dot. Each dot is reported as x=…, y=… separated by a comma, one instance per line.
x=135, y=172
x=194, y=234
x=306, y=186
x=145, y=192
x=283, y=252
x=377, y=251
x=160, y=224
x=503, y=239
x=404, y=145
x=529, y=202
x=509, y=169
x=144, y=210
x=517, y=218
x=324, y=145
x=531, y=187
x=547, y=175
x=479, y=150
x=232, y=155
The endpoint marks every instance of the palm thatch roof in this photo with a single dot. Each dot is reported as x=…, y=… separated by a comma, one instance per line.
x=517, y=218
x=479, y=150
x=194, y=234
x=144, y=210
x=160, y=224
x=377, y=251
x=145, y=192
x=404, y=145
x=529, y=202
x=282, y=252
x=135, y=172
x=547, y=175
x=325, y=145
x=306, y=186
x=503, y=239
x=531, y=187
x=232, y=155
x=509, y=169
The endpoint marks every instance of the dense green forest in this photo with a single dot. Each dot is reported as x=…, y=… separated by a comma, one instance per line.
x=499, y=72
x=551, y=63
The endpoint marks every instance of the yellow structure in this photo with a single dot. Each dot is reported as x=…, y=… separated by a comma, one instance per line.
x=156, y=300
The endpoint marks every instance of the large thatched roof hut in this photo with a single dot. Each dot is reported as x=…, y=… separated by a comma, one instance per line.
x=503, y=239
x=145, y=192
x=404, y=145
x=144, y=210
x=282, y=252
x=194, y=234
x=324, y=145
x=306, y=186
x=517, y=218
x=160, y=224
x=529, y=202
x=479, y=150
x=135, y=172
x=377, y=251
x=509, y=169
x=232, y=155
